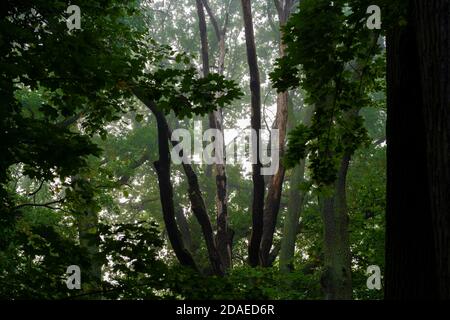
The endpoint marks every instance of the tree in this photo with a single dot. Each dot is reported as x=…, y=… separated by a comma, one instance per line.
x=41, y=55
x=224, y=235
x=258, y=180
x=86, y=176
x=417, y=222
x=296, y=203
x=338, y=89
x=275, y=185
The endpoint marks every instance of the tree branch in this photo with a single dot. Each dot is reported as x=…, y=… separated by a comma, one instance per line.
x=47, y=205
x=213, y=19
x=37, y=190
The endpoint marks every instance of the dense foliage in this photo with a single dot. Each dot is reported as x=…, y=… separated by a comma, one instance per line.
x=77, y=143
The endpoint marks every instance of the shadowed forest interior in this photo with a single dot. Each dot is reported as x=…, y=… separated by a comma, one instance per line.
x=357, y=91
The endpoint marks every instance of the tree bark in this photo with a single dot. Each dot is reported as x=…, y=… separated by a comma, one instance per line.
x=433, y=40
x=201, y=214
x=258, y=179
x=417, y=213
x=336, y=279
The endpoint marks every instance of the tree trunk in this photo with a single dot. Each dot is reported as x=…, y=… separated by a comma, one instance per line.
x=275, y=185
x=201, y=214
x=417, y=223
x=216, y=122
x=433, y=32
x=184, y=229
x=336, y=279
x=295, y=205
x=258, y=179
x=162, y=167
x=195, y=195
x=291, y=222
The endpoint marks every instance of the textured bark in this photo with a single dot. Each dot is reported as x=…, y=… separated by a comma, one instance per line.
x=275, y=185
x=433, y=40
x=417, y=213
x=336, y=279
x=258, y=179
x=216, y=122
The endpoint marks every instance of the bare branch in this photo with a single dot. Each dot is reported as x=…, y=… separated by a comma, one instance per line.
x=37, y=190
x=46, y=205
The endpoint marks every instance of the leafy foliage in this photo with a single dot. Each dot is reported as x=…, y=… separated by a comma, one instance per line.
x=76, y=181
x=336, y=60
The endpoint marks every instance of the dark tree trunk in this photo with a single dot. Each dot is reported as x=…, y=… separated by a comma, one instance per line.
x=433, y=41
x=162, y=167
x=410, y=256
x=216, y=122
x=258, y=179
x=203, y=36
x=201, y=214
x=195, y=195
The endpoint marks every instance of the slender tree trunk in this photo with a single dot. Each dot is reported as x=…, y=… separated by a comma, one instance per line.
x=162, y=167
x=195, y=195
x=203, y=37
x=295, y=206
x=336, y=279
x=258, y=179
x=220, y=33
x=201, y=214
x=223, y=238
x=275, y=185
